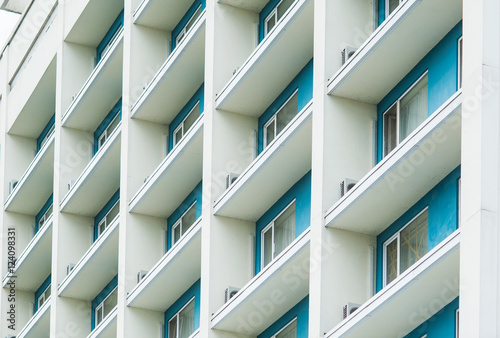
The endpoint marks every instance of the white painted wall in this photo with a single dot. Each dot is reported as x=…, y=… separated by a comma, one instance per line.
x=19, y=153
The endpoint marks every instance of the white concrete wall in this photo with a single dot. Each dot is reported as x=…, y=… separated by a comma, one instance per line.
x=19, y=153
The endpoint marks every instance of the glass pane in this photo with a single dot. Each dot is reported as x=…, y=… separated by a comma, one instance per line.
x=41, y=300
x=189, y=218
x=112, y=126
x=287, y=113
x=268, y=246
x=102, y=227
x=177, y=135
x=289, y=332
x=271, y=22
x=413, y=109
x=284, y=229
x=191, y=118
x=414, y=241
x=193, y=19
x=390, y=129
x=110, y=303
x=391, y=261
x=283, y=7
x=115, y=210
x=172, y=327
x=177, y=232
x=179, y=37
x=47, y=293
x=392, y=5
x=98, y=316
x=269, y=133
x=101, y=140
x=186, y=320
x=48, y=213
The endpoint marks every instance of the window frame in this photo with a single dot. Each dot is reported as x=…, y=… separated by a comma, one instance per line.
x=274, y=13
x=273, y=118
x=45, y=216
x=43, y=295
x=101, y=305
x=460, y=62
x=105, y=133
x=104, y=219
x=176, y=316
x=387, y=13
x=294, y=320
x=181, y=125
x=397, y=237
x=183, y=32
x=112, y=33
x=265, y=229
x=457, y=323
x=397, y=103
x=46, y=133
x=180, y=223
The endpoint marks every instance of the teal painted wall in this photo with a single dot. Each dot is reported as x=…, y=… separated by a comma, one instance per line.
x=441, y=325
x=442, y=66
x=442, y=202
x=301, y=191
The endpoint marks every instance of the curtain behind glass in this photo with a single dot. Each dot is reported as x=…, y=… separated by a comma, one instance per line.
x=284, y=229
x=413, y=108
x=186, y=321
x=289, y=332
x=414, y=241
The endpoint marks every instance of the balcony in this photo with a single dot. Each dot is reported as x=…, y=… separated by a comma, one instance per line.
x=390, y=54
x=251, y=90
x=411, y=298
x=171, y=87
x=100, y=92
x=36, y=184
x=265, y=176
x=39, y=324
x=102, y=175
x=91, y=274
x=34, y=263
x=404, y=176
x=160, y=14
x=179, y=268
x=87, y=21
x=106, y=329
x=263, y=289
x=32, y=104
x=175, y=177
x=253, y=6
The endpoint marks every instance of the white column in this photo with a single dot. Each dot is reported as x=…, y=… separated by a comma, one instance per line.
x=479, y=250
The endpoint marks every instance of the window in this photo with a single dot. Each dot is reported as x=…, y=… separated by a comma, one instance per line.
x=184, y=223
x=109, y=38
x=406, y=247
x=457, y=322
x=43, y=297
x=108, y=218
x=45, y=217
x=108, y=131
x=276, y=15
x=181, y=325
x=46, y=133
x=187, y=123
x=106, y=306
x=279, y=121
x=182, y=34
x=460, y=62
x=391, y=5
x=278, y=234
x=288, y=331
x=406, y=114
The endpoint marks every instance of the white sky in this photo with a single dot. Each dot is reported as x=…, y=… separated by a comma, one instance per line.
x=7, y=22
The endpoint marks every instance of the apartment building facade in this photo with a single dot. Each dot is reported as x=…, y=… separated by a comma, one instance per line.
x=264, y=168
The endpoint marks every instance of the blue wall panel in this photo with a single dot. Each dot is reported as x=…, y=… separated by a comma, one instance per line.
x=301, y=191
x=442, y=65
x=441, y=325
x=442, y=201
x=301, y=311
x=195, y=195
x=304, y=83
x=193, y=291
